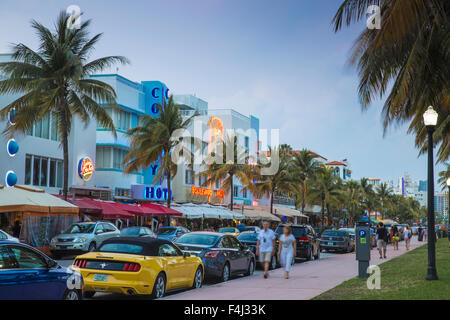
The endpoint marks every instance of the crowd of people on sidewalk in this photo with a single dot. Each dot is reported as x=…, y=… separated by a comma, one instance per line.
x=384, y=237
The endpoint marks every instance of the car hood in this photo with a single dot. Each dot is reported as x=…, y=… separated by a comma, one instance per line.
x=72, y=235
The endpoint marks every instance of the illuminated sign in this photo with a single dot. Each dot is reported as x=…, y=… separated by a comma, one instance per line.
x=207, y=192
x=150, y=192
x=85, y=168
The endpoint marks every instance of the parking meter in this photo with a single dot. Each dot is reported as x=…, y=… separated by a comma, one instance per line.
x=362, y=233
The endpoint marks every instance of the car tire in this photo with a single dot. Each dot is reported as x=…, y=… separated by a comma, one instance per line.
x=251, y=268
x=92, y=247
x=273, y=263
x=88, y=294
x=159, y=288
x=225, y=273
x=198, y=278
x=72, y=294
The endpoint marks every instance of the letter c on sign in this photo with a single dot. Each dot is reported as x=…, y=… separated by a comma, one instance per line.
x=154, y=93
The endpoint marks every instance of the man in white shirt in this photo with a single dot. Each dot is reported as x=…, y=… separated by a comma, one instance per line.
x=265, y=247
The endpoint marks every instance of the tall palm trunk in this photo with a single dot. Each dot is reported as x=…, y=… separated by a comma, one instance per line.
x=65, y=144
x=303, y=198
x=271, y=201
x=231, y=192
x=323, y=212
x=329, y=214
x=168, y=188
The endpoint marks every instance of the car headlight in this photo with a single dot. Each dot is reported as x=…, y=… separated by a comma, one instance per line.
x=80, y=239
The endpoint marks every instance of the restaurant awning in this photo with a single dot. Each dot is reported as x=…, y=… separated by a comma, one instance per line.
x=189, y=210
x=160, y=210
x=256, y=213
x=31, y=199
x=288, y=212
x=110, y=210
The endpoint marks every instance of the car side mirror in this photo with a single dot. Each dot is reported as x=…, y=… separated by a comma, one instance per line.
x=186, y=254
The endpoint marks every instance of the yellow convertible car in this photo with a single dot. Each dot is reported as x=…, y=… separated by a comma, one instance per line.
x=138, y=265
x=230, y=230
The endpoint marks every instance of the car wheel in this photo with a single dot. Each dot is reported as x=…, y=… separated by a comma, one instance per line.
x=159, y=288
x=92, y=247
x=88, y=294
x=225, y=273
x=72, y=295
x=198, y=278
x=251, y=268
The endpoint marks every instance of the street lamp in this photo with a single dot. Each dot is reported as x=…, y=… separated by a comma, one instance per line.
x=430, y=119
x=448, y=212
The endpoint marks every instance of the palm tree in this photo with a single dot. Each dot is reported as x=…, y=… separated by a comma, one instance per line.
x=225, y=165
x=324, y=187
x=408, y=55
x=304, y=168
x=153, y=141
x=281, y=181
x=353, y=190
x=443, y=176
x=55, y=80
x=383, y=193
x=367, y=195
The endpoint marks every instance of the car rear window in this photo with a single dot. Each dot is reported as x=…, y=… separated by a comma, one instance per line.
x=296, y=231
x=248, y=237
x=130, y=232
x=198, y=239
x=130, y=248
x=227, y=230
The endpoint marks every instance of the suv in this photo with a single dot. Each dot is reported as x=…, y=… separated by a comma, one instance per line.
x=82, y=237
x=308, y=243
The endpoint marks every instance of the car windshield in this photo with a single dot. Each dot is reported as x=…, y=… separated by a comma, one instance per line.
x=248, y=237
x=121, y=248
x=296, y=231
x=334, y=233
x=198, y=239
x=227, y=230
x=348, y=231
x=80, y=228
x=130, y=232
x=163, y=231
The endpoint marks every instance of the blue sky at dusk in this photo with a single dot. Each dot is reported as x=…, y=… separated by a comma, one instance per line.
x=277, y=60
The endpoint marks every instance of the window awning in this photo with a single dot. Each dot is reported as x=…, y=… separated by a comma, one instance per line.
x=257, y=213
x=110, y=210
x=160, y=210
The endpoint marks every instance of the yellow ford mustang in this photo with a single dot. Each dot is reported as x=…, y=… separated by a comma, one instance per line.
x=230, y=230
x=138, y=265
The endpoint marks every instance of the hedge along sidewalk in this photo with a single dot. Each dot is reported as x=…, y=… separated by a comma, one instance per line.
x=402, y=278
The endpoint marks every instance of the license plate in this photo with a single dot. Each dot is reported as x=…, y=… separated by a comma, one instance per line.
x=330, y=243
x=63, y=247
x=100, y=277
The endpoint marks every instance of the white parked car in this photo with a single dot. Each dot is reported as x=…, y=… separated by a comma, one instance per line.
x=5, y=236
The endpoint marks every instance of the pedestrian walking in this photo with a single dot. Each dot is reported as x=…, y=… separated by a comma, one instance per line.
x=382, y=240
x=265, y=247
x=420, y=234
x=395, y=237
x=408, y=235
x=287, y=250
x=16, y=229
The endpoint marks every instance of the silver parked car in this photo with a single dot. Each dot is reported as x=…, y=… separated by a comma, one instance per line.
x=6, y=236
x=82, y=237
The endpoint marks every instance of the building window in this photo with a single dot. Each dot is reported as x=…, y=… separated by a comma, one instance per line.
x=109, y=157
x=235, y=191
x=189, y=177
x=244, y=193
x=47, y=128
x=120, y=192
x=44, y=172
x=218, y=185
x=247, y=142
x=124, y=120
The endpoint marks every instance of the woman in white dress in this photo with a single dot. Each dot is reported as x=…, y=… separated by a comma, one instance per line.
x=286, y=250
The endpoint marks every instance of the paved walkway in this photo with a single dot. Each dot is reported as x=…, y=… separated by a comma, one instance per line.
x=307, y=280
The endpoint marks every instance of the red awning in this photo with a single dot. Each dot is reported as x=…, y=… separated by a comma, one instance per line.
x=160, y=210
x=86, y=207
x=138, y=209
x=110, y=210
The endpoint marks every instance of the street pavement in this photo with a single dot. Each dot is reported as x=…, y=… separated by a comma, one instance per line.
x=307, y=280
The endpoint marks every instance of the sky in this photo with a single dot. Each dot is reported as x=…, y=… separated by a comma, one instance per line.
x=278, y=60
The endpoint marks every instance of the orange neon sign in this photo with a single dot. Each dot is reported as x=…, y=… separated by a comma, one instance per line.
x=207, y=192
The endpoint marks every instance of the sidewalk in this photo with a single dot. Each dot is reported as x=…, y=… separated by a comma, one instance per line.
x=307, y=279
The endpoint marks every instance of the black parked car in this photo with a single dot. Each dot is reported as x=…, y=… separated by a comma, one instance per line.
x=308, y=244
x=336, y=240
x=250, y=238
x=223, y=255
x=137, y=232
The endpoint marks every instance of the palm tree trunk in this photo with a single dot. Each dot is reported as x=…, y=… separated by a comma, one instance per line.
x=323, y=212
x=168, y=188
x=303, y=198
x=271, y=202
x=231, y=193
x=329, y=214
x=65, y=144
